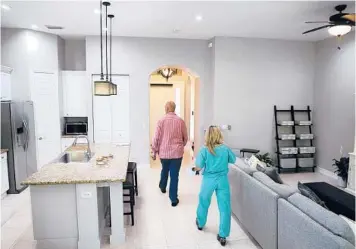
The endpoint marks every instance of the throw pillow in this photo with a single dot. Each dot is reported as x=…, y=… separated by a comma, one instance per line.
x=271, y=172
x=307, y=192
x=349, y=222
x=253, y=161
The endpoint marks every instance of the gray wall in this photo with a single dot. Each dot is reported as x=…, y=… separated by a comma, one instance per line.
x=26, y=51
x=253, y=75
x=334, y=98
x=139, y=57
x=74, y=54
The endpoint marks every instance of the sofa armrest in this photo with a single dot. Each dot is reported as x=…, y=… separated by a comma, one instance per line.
x=296, y=230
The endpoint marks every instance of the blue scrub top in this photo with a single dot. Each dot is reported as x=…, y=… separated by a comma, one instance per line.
x=215, y=165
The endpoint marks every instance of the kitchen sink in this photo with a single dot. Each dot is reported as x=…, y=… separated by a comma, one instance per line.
x=75, y=157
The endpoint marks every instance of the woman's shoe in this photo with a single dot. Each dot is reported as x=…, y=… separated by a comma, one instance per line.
x=199, y=228
x=221, y=240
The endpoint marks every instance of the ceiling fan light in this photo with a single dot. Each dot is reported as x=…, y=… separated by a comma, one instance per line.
x=339, y=30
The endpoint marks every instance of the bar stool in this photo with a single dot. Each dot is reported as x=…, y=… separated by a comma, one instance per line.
x=132, y=168
x=129, y=185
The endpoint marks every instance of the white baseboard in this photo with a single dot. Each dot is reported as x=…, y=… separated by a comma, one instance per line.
x=326, y=172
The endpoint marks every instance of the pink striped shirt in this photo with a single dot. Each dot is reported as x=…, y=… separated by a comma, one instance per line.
x=170, y=137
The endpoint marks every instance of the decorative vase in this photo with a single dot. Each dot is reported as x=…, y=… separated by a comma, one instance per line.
x=341, y=182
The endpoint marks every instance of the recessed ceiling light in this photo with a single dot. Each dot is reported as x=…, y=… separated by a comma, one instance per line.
x=5, y=7
x=198, y=18
x=176, y=31
x=34, y=26
x=97, y=11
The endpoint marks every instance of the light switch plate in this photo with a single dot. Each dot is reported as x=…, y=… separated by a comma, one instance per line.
x=225, y=127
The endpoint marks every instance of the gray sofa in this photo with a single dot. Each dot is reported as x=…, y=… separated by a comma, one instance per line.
x=277, y=216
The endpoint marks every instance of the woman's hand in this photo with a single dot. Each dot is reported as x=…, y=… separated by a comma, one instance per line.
x=196, y=169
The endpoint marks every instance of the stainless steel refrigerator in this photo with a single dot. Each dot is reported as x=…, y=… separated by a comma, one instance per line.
x=18, y=136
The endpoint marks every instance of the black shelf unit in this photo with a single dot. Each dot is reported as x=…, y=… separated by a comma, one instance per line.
x=295, y=142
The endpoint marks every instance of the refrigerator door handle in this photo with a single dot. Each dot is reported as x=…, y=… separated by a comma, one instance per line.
x=25, y=145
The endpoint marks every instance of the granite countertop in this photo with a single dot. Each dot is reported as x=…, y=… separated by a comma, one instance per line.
x=90, y=172
x=4, y=150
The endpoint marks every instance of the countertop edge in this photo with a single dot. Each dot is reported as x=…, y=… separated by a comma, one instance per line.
x=72, y=182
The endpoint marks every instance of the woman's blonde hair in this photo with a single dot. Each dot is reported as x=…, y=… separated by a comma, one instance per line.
x=213, y=138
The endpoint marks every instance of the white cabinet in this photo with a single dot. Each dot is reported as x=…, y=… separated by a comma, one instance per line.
x=75, y=93
x=5, y=86
x=4, y=174
x=112, y=113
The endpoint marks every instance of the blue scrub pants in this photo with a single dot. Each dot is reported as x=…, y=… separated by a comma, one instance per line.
x=172, y=167
x=221, y=187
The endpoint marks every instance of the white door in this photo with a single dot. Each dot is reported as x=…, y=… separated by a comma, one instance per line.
x=120, y=111
x=44, y=94
x=112, y=113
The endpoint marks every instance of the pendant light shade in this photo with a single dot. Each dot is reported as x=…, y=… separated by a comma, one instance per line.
x=103, y=87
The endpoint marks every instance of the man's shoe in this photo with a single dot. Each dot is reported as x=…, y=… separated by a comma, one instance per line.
x=174, y=204
x=199, y=228
x=163, y=190
x=221, y=240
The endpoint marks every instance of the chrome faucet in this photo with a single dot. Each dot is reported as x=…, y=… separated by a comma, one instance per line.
x=88, y=149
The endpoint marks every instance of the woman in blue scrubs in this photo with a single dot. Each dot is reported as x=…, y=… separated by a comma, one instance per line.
x=213, y=159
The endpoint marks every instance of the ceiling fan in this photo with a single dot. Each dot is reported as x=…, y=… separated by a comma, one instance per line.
x=338, y=24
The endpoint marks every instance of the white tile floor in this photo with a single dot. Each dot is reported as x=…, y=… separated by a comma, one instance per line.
x=158, y=225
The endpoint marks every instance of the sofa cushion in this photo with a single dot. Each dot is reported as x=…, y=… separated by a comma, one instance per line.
x=282, y=190
x=241, y=164
x=327, y=219
x=307, y=192
x=271, y=172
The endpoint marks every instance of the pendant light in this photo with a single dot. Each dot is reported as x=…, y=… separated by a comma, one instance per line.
x=103, y=86
x=113, y=85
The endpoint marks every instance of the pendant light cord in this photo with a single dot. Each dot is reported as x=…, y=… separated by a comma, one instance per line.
x=101, y=41
x=106, y=41
x=111, y=17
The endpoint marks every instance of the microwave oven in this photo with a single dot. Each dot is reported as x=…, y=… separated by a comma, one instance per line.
x=76, y=128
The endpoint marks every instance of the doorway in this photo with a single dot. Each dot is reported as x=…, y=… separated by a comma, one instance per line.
x=182, y=87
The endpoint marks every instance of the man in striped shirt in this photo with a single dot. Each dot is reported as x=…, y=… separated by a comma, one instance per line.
x=168, y=142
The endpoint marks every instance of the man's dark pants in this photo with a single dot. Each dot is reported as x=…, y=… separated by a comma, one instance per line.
x=171, y=167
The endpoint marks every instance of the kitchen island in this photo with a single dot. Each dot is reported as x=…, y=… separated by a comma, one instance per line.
x=70, y=198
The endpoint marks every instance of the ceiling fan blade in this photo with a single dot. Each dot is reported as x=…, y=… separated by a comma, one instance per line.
x=350, y=17
x=312, y=30
x=318, y=22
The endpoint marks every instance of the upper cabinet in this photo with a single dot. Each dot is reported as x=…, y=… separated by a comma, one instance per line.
x=5, y=87
x=75, y=93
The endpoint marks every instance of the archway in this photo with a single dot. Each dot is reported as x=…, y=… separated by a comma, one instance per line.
x=182, y=87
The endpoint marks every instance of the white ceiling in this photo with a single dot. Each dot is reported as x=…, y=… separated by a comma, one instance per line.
x=262, y=19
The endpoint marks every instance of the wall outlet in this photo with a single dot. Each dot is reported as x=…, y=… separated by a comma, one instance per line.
x=86, y=195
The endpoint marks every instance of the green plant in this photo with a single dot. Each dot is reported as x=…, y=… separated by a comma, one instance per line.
x=342, y=167
x=265, y=158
